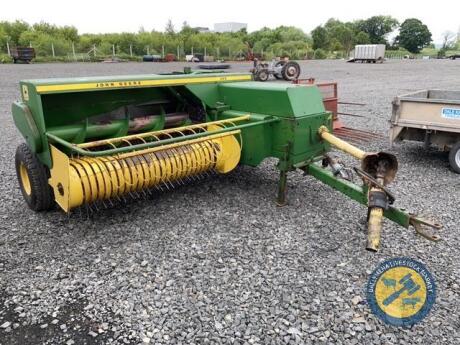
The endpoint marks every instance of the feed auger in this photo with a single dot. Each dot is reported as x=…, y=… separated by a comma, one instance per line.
x=94, y=139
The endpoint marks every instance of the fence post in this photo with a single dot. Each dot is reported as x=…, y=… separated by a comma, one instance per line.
x=52, y=49
x=73, y=51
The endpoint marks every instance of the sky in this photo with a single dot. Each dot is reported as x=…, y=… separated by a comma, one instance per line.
x=101, y=16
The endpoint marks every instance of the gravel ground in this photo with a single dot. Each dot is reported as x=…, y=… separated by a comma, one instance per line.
x=217, y=261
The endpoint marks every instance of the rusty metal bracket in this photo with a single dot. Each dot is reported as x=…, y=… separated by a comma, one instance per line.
x=418, y=223
x=372, y=181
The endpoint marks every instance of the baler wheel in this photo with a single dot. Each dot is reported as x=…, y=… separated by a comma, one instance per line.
x=33, y=179
x=290, y=71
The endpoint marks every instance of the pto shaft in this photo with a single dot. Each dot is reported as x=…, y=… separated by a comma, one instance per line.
x=382, y=168
x=376, y=204
x=341, y=144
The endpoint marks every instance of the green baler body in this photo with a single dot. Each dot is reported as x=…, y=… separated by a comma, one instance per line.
x=67, y=107
x=283, y=123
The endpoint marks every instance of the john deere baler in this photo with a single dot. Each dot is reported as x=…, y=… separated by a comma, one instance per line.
x=91, y=140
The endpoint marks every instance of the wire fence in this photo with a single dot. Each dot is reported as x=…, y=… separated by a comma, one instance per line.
x=76, y=52
x=59, y=51
x=397, y=55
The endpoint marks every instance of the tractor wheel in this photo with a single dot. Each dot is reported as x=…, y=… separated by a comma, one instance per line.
x=262, y=75
x=278, y=64
x=290, y=71
x=454, y=158
x=33, y=180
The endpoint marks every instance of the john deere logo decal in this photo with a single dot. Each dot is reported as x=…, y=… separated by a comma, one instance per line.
x=401, y=291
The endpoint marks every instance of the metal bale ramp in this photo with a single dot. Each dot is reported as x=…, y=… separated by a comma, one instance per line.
x=357, y=136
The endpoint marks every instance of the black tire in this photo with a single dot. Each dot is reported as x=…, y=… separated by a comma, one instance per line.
x=262, y=75
x=454, y=158
x=33, y=180
x=290, y=71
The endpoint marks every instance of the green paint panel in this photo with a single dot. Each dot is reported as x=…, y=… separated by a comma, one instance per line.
x=301, y=112
x=278, y=99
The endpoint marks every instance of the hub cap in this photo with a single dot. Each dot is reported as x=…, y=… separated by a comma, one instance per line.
x=291, y=71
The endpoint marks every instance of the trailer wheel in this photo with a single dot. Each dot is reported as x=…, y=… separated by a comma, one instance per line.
x=33, y=179
x=454, y=158
x=290, y=71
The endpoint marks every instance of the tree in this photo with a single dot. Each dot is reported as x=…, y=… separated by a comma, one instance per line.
x=289, y=33
x=320, y=38
x=69, y=33
x=448, y=40
x=377, y=27
x=344, y=34
x=46, y=28
x=169, y=29
x=185, y=35
x=14, y=30
x=362, y=38
x=341, y=35
x=3, y=38
x=413, y=35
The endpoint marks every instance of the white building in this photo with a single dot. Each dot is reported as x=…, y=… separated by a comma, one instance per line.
x=229, y=27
